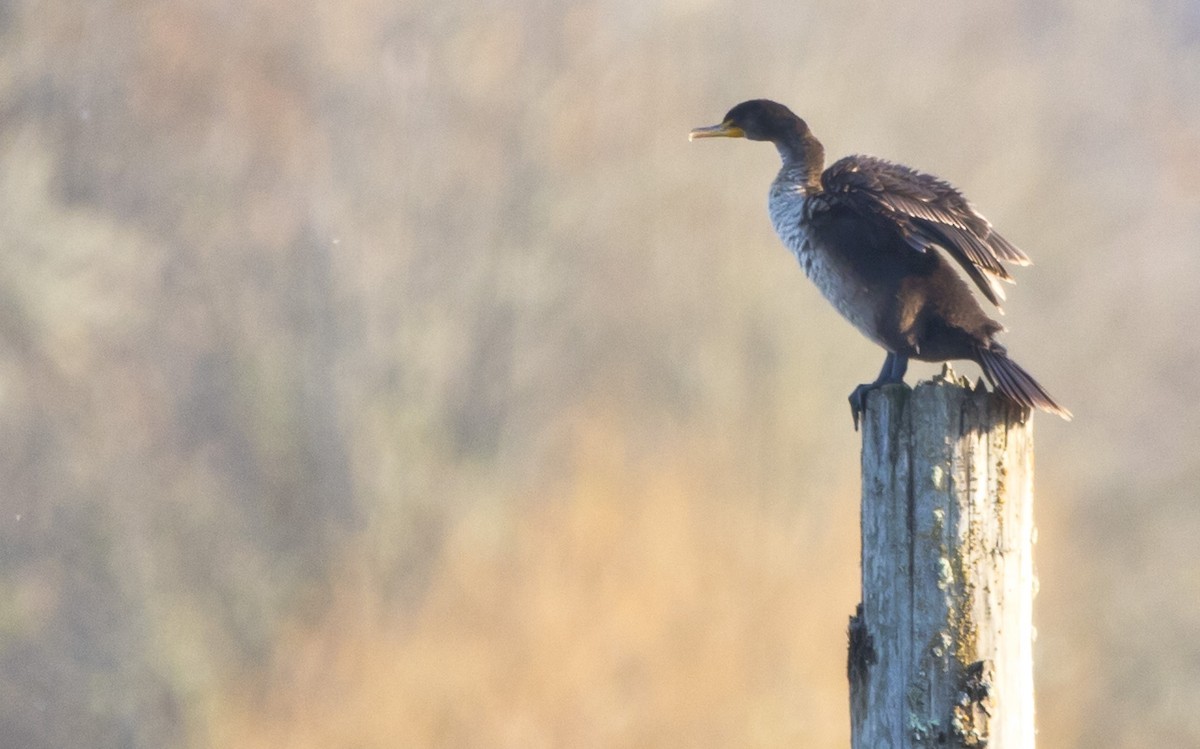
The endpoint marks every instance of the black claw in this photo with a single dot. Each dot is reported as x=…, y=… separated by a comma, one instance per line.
x=858, y=401
x=894, y=367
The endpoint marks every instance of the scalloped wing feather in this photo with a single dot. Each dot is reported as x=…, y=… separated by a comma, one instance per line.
x=928, y=212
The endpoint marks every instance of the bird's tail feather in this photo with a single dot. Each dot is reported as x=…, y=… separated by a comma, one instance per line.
x=1017, y=384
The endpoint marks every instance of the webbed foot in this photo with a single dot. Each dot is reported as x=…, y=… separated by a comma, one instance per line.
x=858, y=400
x=894, y=367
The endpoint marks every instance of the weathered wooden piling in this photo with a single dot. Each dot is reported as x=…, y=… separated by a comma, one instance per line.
x=941, y=645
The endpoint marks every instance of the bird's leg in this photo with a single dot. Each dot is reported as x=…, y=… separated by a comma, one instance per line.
x=894, y=367
x=899, y=367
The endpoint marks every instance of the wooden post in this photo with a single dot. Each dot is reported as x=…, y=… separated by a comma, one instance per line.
x=941, y=645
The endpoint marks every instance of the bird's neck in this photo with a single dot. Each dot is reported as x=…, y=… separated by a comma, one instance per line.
x=803, y=157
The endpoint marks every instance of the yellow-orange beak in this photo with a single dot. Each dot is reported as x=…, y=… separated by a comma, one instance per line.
x=724, y=130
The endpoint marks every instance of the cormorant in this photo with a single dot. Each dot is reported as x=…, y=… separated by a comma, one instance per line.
x=865, y=229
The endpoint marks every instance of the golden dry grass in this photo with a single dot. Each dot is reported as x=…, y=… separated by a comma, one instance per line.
x=627, y=608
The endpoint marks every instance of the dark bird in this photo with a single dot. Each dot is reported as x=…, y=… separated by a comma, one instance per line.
x=865, y=231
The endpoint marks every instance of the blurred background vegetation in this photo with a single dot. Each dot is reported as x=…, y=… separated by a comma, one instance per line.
x=381, y=374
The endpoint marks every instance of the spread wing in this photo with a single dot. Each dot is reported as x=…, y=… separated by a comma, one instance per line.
x=927, y=212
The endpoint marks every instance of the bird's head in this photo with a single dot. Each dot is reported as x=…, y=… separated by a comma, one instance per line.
x=757, y=119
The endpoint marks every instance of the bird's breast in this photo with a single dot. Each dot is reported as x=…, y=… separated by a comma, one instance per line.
x=850, y=294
